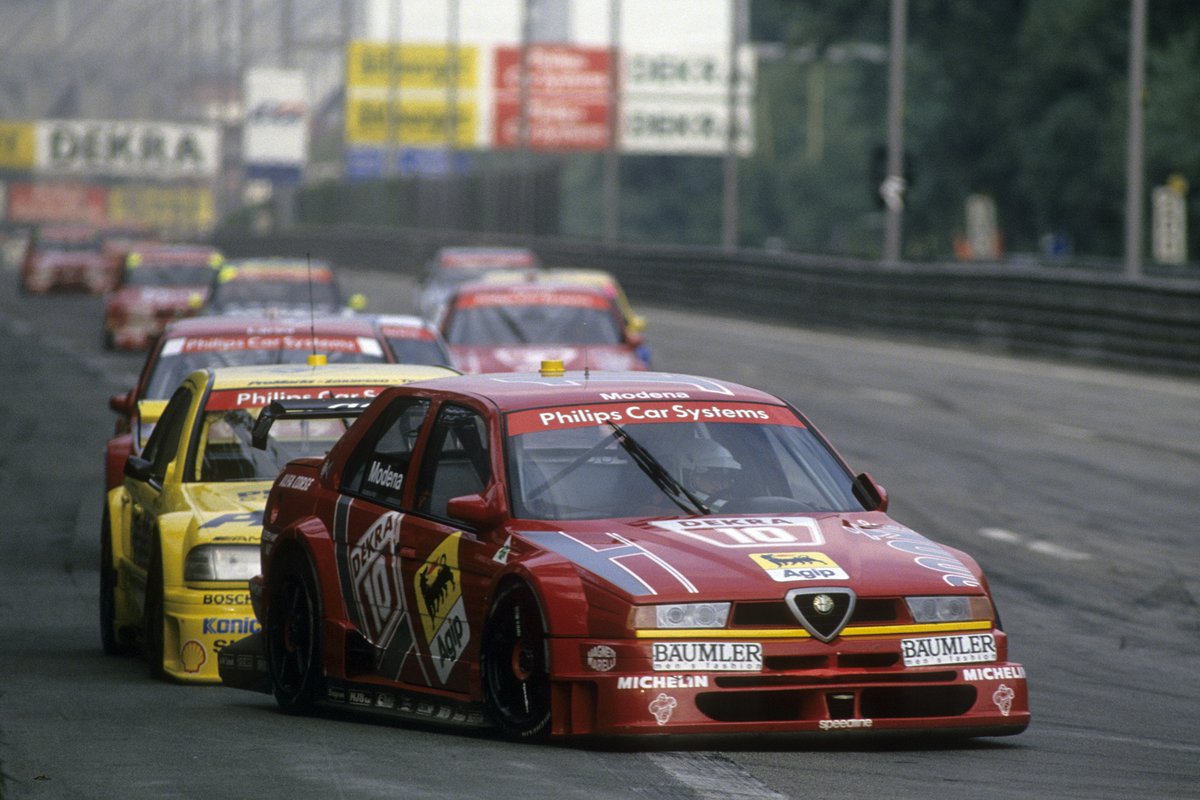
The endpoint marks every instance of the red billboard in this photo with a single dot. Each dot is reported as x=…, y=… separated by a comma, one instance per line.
x=568, y=96
x=57, y=202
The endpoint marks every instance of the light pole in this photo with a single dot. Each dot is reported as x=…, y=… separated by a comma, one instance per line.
x=893, y=187
x=1134, y=155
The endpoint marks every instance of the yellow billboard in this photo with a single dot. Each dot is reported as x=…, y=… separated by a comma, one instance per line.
x=17, y=145
x=412, y=122
x=411, y=66
x=183, y=209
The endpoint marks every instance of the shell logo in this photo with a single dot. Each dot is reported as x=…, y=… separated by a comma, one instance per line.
x=193, y=655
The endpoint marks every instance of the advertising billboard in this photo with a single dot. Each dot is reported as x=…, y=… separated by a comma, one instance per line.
x=275, y=131
x=113, y=148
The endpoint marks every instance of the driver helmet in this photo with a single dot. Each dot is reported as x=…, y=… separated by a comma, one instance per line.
x=707, y=465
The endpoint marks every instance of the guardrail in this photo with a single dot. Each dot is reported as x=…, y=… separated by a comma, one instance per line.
x=1149, y=325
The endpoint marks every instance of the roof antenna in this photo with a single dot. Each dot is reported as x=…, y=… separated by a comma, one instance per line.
x=314, y=360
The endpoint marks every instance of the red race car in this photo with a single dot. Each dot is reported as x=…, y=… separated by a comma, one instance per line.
x=413, y=340
x=65, y=257
x=451, y=267
x=280, y=287
x=199, y=342
x=613, y=553
x=157, y=284
x=513, y=327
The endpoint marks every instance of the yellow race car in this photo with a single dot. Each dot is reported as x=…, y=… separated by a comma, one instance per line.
x=180, y=535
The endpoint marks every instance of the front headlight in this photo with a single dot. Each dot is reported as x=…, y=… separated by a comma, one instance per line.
x=681, y=615
x=950, y=608
x=212, y=562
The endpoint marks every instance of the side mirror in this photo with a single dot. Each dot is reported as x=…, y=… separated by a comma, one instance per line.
x=873, y=496
x=637, y=323
x=475, y=510
x=358, y=301
x=122, y=403
x=141, y=469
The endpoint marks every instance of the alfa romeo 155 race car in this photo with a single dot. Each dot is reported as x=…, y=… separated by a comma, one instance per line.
x=157, y=284
x=65, y=257
x=280, y=287
x=451, y=267
x=413, y=340
x=614, y=553
x=513, y=327
x=196, y=343
x=179, y=537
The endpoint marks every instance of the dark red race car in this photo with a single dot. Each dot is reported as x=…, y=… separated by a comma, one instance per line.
x=65, y=257
x=157, y=283
x=613, y=553
x=514, y=326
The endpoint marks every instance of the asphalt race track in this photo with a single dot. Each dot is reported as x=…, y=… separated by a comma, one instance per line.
x=1078, y=490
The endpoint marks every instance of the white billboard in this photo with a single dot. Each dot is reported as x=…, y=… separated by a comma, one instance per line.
x=113, y=148
x=275, y=132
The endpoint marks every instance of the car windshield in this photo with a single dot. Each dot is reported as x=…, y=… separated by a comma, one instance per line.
x=170, y=369
x=576, y=463
x=233, y=295
x=167, y=275
x=226, y=454
x=71, y=245
x=532, y=324
x=418, y=351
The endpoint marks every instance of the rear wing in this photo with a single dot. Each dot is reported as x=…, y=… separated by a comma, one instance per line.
x=304, y=409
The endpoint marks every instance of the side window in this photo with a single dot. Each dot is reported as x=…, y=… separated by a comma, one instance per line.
x=163, y=444
x=377, y=469
x=456, y=462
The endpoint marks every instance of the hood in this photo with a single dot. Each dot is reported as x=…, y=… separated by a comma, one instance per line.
x=759, y=557
x=228, y=512
x=529, y=358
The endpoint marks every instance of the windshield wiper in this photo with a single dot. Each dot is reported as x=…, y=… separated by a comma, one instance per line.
x=658, y=473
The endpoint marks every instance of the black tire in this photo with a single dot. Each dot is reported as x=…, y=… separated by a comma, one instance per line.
x=516, y=677
x=114, y=643
x=293, y=634
x=152, y=617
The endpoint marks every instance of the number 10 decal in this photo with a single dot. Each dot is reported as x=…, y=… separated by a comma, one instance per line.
x=749, y=531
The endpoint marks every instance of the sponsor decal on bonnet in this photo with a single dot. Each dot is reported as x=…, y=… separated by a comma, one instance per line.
x=808, y=566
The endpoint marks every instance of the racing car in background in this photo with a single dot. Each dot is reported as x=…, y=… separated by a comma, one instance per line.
x=451, y=267
x=569, y=553
x=157, y=284
x=196, y=343
x=514, y=326
x=179, y=537
x=413, y=340
x=280, y=287
x=65, y=257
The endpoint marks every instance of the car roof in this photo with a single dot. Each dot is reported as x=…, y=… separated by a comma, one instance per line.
x=523, y=390
x=238, y=325
x=580, y=274
x=270, y=375
x=288, y=269
x=403, y=321
x=530, y=292
x=465, y=256
x=176, y=252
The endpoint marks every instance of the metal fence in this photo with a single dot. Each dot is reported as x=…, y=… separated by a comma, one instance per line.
x=1148, y=325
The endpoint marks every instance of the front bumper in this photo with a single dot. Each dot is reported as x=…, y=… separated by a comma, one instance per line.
x=198, y=624
x=803, y=686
